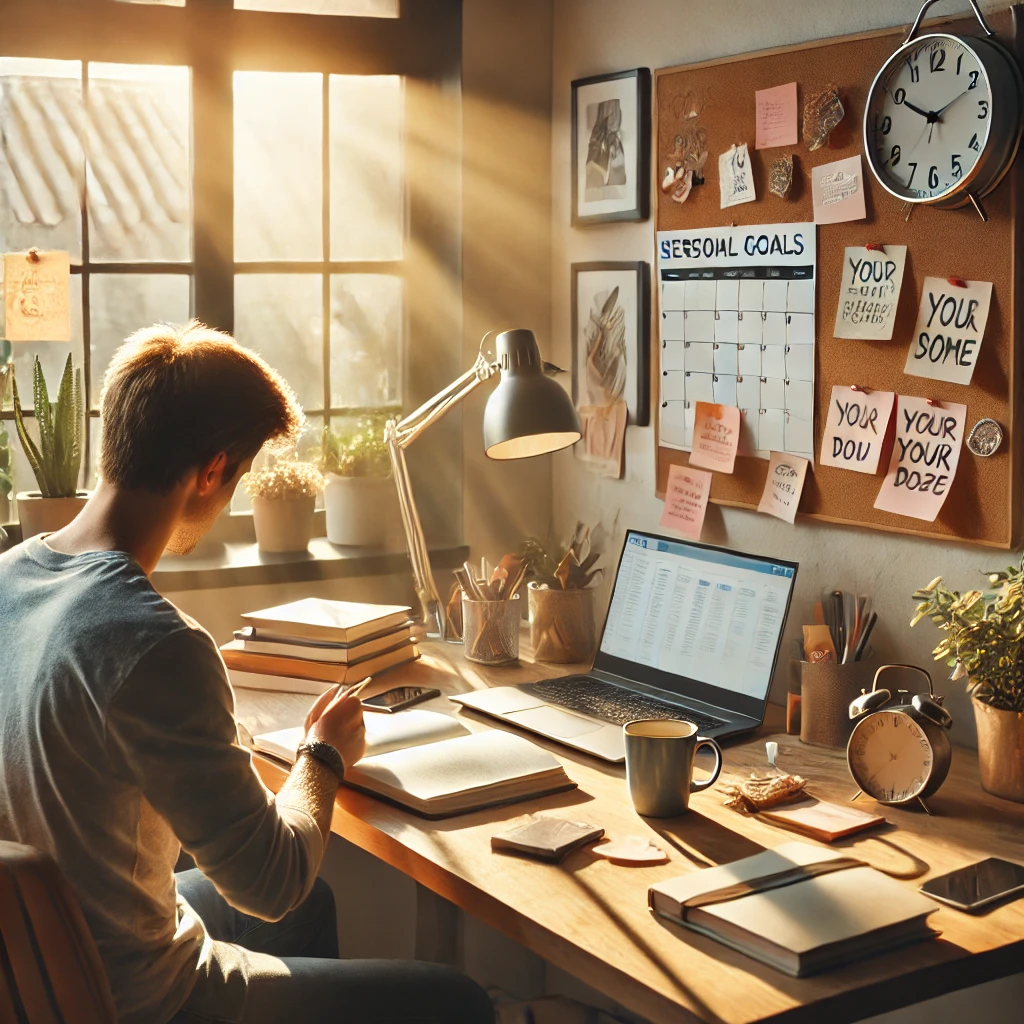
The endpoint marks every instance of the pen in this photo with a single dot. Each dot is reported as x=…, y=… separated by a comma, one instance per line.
x=863, y=642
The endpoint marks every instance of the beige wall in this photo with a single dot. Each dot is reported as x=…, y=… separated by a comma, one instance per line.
x=595, y=36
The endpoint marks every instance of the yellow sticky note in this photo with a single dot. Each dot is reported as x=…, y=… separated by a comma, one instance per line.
x=36, y=303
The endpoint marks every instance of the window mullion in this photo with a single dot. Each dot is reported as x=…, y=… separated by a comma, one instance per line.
x=326, y=241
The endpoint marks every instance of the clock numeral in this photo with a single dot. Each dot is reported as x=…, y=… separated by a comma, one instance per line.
x=984, y=109
x=974, y=78
x=936, y=59
x=886, y=125
x=933, y=177
x=915, y=73
x=957, y=169
x=973, y=144
x=959, y=61
x=913, y=168
x=899, y=96
x=894, y=156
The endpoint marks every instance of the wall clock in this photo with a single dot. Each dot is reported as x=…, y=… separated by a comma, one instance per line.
x=943, y=118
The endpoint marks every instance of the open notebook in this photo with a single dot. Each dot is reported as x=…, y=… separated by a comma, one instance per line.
x=433, y=765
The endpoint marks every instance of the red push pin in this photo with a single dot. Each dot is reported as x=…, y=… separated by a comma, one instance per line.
x=875, y=247
x=957, y=282
x=857, y=387
x=934, y=402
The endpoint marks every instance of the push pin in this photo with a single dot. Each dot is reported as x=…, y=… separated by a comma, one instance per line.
x=934, y=402
x=857, y=387
x=875, y=247
x=957, y=282
x=33, y=255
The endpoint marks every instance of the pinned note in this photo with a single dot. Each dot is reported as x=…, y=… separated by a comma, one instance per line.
x=837, y=191
x=783, y=486
x=735, y=178
x=924, y=458
x=855, y=428
x=869, y=292
x=36, y=305
x=716, y=436
x=950, y=326
x=776, y=117
x=686, y=500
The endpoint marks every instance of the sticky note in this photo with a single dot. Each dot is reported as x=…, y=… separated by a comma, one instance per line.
x=775, y=117
x=855, y=428
x=36, y=305
x=869, y=292
x=735, y=179
x=837, y=191
x=716, y=436
x=950, y=326
x=783, y=486
x=924, y=458
x=686, y=500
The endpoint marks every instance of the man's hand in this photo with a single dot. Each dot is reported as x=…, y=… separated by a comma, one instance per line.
x=336, y=717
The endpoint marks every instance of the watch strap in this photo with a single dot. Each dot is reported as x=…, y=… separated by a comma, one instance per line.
x=325, y=754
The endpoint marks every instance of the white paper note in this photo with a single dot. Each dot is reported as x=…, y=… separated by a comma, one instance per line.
x=855, y=428
x=783, y=486
x=735, y=178
x=869, y=292
x=36, y=302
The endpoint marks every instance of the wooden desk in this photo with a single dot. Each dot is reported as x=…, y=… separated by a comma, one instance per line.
x=590, y=917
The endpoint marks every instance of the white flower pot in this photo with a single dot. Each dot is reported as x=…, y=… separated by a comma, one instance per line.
x=359, y=509
x=47, y=515
x=283, y=524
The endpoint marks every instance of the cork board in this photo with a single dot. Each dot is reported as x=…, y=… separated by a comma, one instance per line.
x=983, y=501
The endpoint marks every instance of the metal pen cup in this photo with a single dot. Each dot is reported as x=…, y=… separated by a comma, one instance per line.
x=659, y=765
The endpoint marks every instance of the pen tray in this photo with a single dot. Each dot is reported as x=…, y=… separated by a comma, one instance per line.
x=826, y=690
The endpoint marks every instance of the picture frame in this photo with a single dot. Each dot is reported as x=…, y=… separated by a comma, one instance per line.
x=594, y=324
x=611, y=147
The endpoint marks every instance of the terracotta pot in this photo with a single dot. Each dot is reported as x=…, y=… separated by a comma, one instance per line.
x=283, y=524
x=47, y=515
x=562, y=625
x=359, y=510
x=1000, y=750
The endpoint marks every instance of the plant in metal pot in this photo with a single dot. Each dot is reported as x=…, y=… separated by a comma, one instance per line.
x=283, y=495
x=983, y=634
x=56, y=460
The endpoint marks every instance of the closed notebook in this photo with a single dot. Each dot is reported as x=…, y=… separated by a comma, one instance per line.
x=822, y=821
x=316, y=618
x=236, y=657
x=254, y=641
x=791, y=909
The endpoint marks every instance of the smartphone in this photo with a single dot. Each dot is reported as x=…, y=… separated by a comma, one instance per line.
x=977, y=885
x=399, y=697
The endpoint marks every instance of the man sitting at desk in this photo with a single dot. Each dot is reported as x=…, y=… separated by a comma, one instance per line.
x=119, y=739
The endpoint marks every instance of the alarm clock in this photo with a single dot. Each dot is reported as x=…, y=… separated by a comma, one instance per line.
x=942, y=121
x=899, y=751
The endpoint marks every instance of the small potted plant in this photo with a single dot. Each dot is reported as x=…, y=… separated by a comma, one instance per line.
x=283, y=496
x=982, y=636
x=57, y=460
x=561, y=592
x=358, y=493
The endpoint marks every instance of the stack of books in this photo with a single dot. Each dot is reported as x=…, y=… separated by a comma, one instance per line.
x=308, y=646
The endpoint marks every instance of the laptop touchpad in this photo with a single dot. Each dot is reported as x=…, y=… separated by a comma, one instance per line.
x=553, y=722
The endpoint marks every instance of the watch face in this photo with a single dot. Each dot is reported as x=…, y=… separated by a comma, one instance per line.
x=928, y=118
x=890, y=757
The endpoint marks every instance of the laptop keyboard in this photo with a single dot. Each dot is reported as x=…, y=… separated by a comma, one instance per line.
x=612, y=703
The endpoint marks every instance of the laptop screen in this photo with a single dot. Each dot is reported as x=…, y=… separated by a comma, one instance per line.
x=698, y=621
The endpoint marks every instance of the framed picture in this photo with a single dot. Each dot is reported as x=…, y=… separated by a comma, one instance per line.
x=611, y=147
x=611, y=331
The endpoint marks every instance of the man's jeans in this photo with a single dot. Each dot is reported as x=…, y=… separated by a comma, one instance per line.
x=287, y=971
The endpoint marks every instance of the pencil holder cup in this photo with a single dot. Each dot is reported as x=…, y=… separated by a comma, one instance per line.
x=562, y=625
x=490, y=631
x=826, y=690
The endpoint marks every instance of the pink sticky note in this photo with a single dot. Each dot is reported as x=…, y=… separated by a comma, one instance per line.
x=686, y=500
x=783, y=486
x=716, y=436
x=924, y=458
x=855, y=428
x=776, y=117
x=837, y=190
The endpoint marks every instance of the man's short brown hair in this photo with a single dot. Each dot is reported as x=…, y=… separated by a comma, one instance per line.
x=175, y=397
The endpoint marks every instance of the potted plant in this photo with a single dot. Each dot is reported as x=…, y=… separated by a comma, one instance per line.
x=283, y=498
x=983, y=633
x=6, y=456
x=57, y=460
x=358, y=493
x=562, y=625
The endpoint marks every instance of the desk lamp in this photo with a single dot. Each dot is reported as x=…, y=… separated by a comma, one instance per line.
x=528, y=414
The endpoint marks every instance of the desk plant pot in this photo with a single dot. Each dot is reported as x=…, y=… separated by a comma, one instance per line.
x=358, y=509
x=47, y=515
x=283, y=495
x=562, y=624
x=1000, y=750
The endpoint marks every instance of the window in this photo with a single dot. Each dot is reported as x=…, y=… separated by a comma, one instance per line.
x=261, y=185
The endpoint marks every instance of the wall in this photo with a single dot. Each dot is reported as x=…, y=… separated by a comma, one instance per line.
x=595, y=36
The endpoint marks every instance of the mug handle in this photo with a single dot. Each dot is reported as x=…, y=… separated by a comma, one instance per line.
x=703, y=741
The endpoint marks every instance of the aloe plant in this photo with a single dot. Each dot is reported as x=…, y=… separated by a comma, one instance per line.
x=57, y=460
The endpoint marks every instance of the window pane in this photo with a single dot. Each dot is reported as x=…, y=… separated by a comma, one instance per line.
x=278, y=166
x=139, y=187
x=281, y=317
x=41, y=159
x=367, y=195
x=366, y=340
x=362, y=8
x=120, y=304
x=94, y=451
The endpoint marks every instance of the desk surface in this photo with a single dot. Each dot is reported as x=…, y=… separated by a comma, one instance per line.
x=590, y=917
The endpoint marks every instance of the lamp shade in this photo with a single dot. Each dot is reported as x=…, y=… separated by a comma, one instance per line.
x=528, y=413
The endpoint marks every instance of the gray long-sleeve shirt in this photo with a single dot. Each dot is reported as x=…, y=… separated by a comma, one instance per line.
x=118, y=746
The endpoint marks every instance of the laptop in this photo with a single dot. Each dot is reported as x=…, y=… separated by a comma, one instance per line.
x=693, y=632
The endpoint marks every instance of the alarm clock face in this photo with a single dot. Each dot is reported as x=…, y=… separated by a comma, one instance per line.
x=928, y=118
x=890, y=757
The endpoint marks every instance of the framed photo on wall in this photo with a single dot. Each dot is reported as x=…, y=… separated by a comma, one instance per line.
x=611, y=331
x=611, y=147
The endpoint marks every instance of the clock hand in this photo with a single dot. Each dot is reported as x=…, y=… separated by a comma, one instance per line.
x=930, y=114
x=939, y=113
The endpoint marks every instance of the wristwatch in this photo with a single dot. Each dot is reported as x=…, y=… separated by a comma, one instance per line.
x=325, y=754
